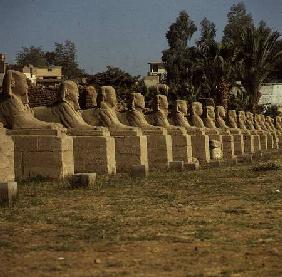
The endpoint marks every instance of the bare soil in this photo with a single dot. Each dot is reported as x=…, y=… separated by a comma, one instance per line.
x=213, y=222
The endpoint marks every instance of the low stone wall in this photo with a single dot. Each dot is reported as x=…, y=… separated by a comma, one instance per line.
x=42, y=96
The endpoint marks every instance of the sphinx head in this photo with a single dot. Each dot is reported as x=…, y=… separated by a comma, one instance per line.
x=197, y=108
x=220, y=111
x=160, y=103
x=92, y=95
x=250, y=116
x=180, y=106
x=107, y=97
x=241, y=115
x=210, y=112
x=68, y=92
x=232, y=114
x=15, y=83
x=136, y=101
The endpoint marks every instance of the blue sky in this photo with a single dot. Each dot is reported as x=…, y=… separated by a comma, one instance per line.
x=123, y=33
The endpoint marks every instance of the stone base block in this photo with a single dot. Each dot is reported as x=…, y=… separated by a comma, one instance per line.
x=182, y=148
x=8, y=192
x=257, y=144
x=238, y=144
x=47, y=154
x=270, y=142
x=176, y=166
x=249, y=144
x=129, y=151
x=83, y=180
x=159, y=151
x=7, y=171
x=200, y=148
x=228, y=147
x=94, y=154
x=139, y=171
x=263, y=142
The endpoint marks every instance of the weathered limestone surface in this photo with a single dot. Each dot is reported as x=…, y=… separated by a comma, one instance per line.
x=45, y=153
x=215, y=140
x=249, y=141
x=199, y=141
x=93, y=147
x=238, y=138
x=158, y=141
x=181, y=141
x=7, y=172
x=220, y=135
x=130, y=143
x=94, y=151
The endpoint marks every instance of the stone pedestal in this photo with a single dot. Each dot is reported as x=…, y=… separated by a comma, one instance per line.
x=159, y=148
x=42, y=153
x=257, y=144
x=228, y=146
x=238, y=138
x=130, y=149
x=93, y=151
x=263, y=140
x=200, y=148
x=7, y=172
x=248, y=143
x=181, y=145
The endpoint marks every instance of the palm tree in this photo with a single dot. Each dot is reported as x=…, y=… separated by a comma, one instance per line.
x=260, y=49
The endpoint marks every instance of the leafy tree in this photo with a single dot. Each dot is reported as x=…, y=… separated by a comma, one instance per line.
x=178, y=57
x=260, y=50
x=207, y=36
x=238, y=21
x=122, y=81
x=64, y=55
x=31, y=55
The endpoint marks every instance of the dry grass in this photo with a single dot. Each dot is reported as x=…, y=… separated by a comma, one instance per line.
x=217, y=222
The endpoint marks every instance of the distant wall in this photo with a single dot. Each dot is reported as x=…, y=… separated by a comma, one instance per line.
x=271, y=93
x=42, y=96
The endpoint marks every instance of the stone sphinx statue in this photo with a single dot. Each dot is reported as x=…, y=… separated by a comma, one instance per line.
x=209, y=117
x=134, y=114
x=242, y=121
x=105, y=114
x=91, y=96
x=200, y=141
x=278, y=123
x=66, y=109
x=159, y=116
x=250, y=122
x=14, y=105
x=196, y=113
x=220, y=115
x=232, y=119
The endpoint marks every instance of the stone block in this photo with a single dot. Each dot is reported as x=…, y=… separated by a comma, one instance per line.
x=176, y=166
x=94, y=154
x=83, y=180
x=249, y=144
x=51, y=158
x=181, y=147
x=8, y=192
x=228, y=146
x=200, y=148
x=238, y=144
x=129, y=151
x=159, y=151
x=7, y=171
x=139, y=171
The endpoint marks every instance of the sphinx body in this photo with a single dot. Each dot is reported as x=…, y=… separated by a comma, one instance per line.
x=14, y=105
